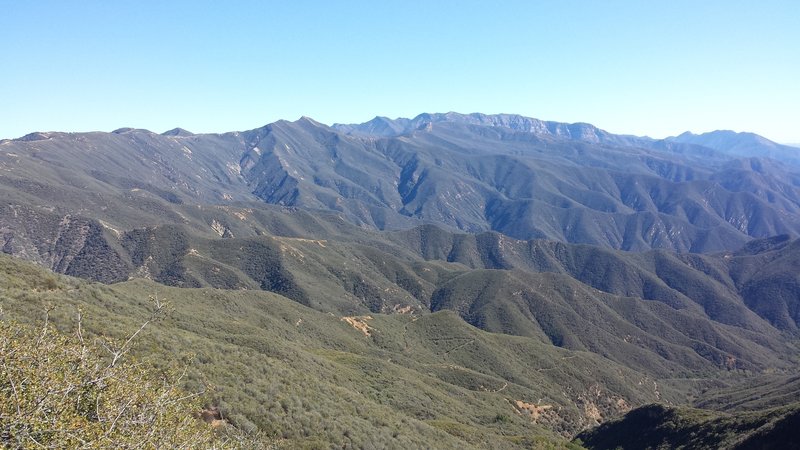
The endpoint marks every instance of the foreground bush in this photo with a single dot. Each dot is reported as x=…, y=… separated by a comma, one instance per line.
x=59, y=391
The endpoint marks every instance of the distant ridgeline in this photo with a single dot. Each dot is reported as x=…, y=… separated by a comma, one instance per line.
x=467, y=280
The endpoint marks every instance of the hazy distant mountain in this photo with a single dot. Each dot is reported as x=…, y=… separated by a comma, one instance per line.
x=741, y=144
x=382, y=126
x=177, y=132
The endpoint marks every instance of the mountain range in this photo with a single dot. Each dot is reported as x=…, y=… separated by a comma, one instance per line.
x=471, y=251
x=524, y=178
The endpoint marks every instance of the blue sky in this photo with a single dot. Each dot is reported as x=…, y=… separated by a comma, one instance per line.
x=643, y=67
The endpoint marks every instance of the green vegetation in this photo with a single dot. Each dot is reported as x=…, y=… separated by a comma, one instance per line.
x=58, y=391
x=306, y=377
x=759, y=393
x=316, y=330
x=694, y=319
x=309, y=379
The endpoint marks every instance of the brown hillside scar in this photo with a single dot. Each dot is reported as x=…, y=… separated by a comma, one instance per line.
x=359, y=323
x=403, y=309
x=320, y=242
x=535, y=411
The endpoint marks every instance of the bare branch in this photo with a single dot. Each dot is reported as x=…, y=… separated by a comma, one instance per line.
x=80, y=324
x=121, y=412
x=13, y=388
x=47, y=310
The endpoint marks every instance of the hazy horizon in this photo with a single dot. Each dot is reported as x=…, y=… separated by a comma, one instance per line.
x=159, y=131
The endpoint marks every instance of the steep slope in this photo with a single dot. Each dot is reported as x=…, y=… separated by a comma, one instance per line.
x=769, y=284
x=712, y=309
x=305, y=163
x=662, y=313
x=174, y=167
x=519, y=176
x=728, y=287
x=413, y=377
x=536, y=322
x=656, y=426
x=313, y=378
x=761, y=393
x=650, y=336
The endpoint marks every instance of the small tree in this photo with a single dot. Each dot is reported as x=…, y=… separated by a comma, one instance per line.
x=58, y=391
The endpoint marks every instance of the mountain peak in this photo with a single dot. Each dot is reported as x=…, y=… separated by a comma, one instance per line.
x=177, y=132
x=35, y=136
x=742, y=144
x=309, y=120
x=126, y=130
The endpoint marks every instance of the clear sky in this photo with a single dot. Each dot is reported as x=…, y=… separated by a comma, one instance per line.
x=640, y=67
